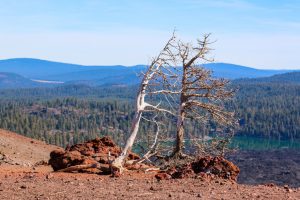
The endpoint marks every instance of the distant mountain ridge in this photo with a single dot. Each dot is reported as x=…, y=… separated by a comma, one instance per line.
x=290, y=77
x=232, y=71
x=35, y=69
x=12, y=80
x=55, y=71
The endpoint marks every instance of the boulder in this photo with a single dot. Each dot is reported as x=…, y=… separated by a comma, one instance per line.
x=218, y=166
x=206, y=167
x=89, y=152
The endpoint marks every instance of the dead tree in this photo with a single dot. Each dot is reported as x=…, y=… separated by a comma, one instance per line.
x=176, y=75
x=192, y=89
x=200, y=94
x=150, y=77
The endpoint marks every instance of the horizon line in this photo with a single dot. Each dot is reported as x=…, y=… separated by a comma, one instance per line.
x=99, y=65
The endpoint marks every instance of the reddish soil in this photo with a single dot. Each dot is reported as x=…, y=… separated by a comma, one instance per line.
x=40, y=184
x=18, y=181
x=19, y=150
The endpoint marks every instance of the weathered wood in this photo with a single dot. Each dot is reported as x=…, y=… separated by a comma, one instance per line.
x=79, y=167
x=141, y=106
x=199, y=90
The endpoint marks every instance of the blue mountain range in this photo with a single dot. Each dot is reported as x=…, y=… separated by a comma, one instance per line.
x=36, y=73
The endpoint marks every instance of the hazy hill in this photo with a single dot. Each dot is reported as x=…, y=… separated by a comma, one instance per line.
x=103, y=75
x=48, y=70
x=35, y=68
x=290, y=77
x=232, y=71
x=11, y=80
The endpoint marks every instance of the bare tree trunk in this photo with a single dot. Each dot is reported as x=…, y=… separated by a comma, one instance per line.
x=134, y=131
x=117, y=164
x=153, y=70
x=178, y=151
x=180, y=132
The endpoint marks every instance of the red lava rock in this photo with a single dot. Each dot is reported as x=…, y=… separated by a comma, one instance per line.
x=23, y=187
x=218, y=166
x=163, y=176
x=270, y=184
x=60, y=159
x=89, y=152
x=183, y=172
x=204, y=176
x=49, y=176
x=206, y=168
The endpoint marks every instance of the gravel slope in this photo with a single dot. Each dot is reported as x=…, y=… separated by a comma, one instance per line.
x=21, y=179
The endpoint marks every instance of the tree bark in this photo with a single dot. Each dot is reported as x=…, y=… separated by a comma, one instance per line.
x=117, y=164
x=180, y=133
x=153, y=70
x=178, y=151
x=79, y=167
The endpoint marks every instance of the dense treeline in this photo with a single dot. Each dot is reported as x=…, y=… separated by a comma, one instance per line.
x=268, y=109
x=72, y=120
x=66, y=120
x=72, y=114
x=80, y=91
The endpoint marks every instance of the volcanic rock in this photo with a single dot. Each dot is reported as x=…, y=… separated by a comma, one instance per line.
x=206, y=167
x=90, y=152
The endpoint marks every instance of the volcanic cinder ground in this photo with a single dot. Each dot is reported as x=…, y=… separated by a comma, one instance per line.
x=20, y=178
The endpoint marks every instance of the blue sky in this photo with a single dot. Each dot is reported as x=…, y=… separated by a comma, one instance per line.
x=257, y=33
